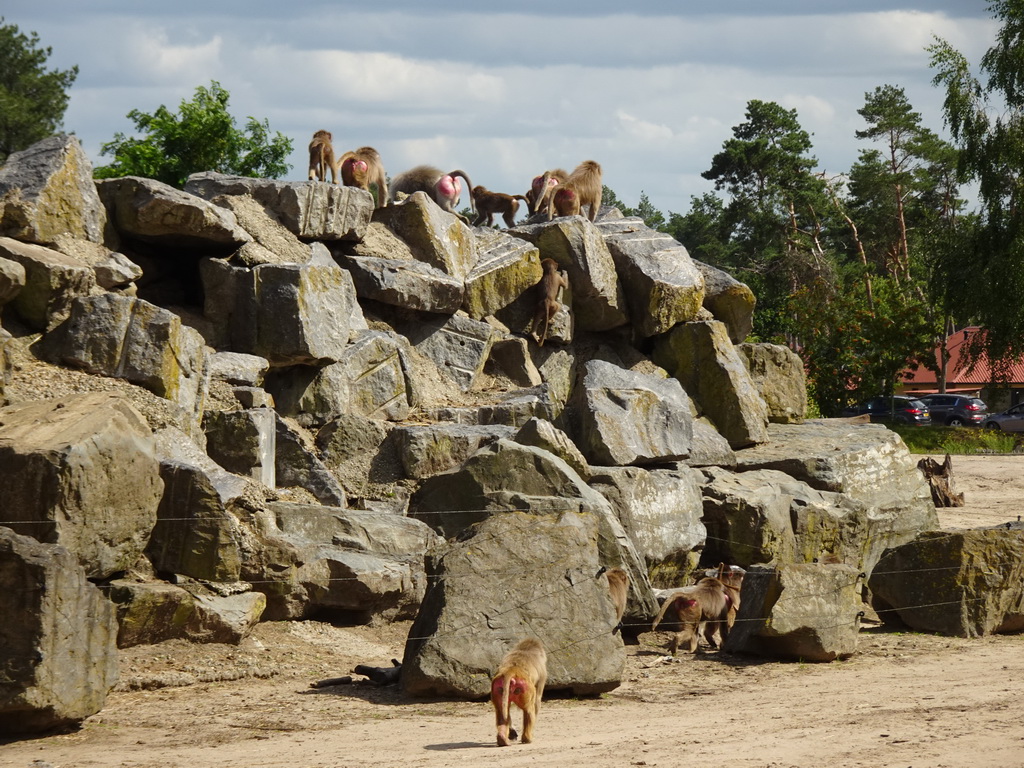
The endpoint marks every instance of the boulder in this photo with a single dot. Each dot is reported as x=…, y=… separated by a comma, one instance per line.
x=661, y=512
x=407, y=284
x=57, y=641
x=112, y=270
x=51, y=281
x=474, y=612
x=238, y=368
x=430, y=449
x=329, y=563
x=763, y=516
x=622, y=417
x=308, y=209
x=198, y=532
x=80, y=472
x=510, y=357
x=577, y=246
x=244, y=442
x=662, y=285
x=962, y=583
x=276, y=243
x=803, y=612
x=150, y=613
x=297, y=465
x=289, y=314
x=47, y=190
x=701, y=356
x=458, y=345
x=434, y=236
x=506, y=267
x=543, y=434
x=729, y=301
x=149, y=210
x=12, y=278
x=867, y=462
x=128, y=338
x=778, y=374
x=708, y=447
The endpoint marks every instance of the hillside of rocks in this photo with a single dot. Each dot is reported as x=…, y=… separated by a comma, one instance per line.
x=255, y=400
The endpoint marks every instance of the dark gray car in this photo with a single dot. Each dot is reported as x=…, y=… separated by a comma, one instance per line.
x=956, y=410
x=1010, y=420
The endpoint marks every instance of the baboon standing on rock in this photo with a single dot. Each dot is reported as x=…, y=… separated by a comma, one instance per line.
x=363, y=167
x=520, y=679
x=321, y=157
x=582, y=187
x=443, y=188
x=551, y=284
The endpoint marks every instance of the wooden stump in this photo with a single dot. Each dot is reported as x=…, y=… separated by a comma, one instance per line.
x=940, y=480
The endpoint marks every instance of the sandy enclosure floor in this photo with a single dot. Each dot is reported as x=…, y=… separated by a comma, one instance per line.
x=903, y=699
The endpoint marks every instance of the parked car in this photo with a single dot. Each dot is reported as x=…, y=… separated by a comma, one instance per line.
x=956, y=410
x=899, y=408
x=1010, y=420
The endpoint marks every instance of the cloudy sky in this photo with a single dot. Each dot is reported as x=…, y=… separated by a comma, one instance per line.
x=505, y=90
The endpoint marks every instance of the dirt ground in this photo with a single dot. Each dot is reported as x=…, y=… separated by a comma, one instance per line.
x=903, y=699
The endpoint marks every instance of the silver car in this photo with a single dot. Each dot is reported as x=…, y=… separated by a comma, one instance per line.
x=1010, y=420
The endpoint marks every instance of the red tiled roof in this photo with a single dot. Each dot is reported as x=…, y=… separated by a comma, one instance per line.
x=959, y=377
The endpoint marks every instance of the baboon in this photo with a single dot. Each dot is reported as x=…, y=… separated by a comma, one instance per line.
x=583, y=187
x=520, y=679
x=321, y=157
x=550, y=285
x=489, y=203
x=363, y=167
x=618, y=587
x=443, y=188
x=713, y=601
x=539, y=195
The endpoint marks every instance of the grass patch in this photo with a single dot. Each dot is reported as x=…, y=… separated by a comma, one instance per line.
x=954, y=440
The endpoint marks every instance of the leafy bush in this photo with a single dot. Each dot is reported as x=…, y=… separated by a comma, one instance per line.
x=954, y=440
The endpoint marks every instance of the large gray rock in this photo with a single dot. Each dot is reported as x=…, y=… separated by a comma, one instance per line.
x=623, y=417
x=867, y=462
x=47, y=190
x=662, y=285
x=729, y=301
x=764, y=516
x=289, y=314
x=308, y=209
x=244, y=442
x=430, y=449
x=577, y=246
x=57, y=640
x=128, y=338
x=297, y=465
x=113, y=270
x=472, y=614
x=543, y=434
x=806, y=612
x=147, y=209
x=199, y=532
x=405, y=283
x=275, y=243
x=434, y=236
x=457, y=344
x=778, y=373
x=505, y=475
x=12, y=278
x=351, y=566
x=661, y=511
x=80, y=472
x=506, y=267
x=51, y=282
x=150, y=613
x=704, y=360
x=962, y=583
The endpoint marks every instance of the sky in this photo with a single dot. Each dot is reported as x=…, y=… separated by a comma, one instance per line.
x=506, y=90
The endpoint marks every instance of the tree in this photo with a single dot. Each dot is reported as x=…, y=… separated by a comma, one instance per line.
x=987, y=124
x=32, y=99
x=201, y=137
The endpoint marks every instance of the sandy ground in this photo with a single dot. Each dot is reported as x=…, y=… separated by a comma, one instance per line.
x=904, y=699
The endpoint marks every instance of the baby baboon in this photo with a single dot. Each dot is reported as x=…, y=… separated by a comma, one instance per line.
x=445, y=189
x=711, y=602
x=618, y=587
x=321, y=157
x=489, y=203
x=550, y=285
x=583, y=187
x=520, y=678
x=539, y=196
x=362, y=168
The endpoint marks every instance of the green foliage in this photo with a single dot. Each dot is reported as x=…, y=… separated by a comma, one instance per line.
x=986, y=121
x=32, y=99
x=954, y=440
x=706, y=232
x=202, y=136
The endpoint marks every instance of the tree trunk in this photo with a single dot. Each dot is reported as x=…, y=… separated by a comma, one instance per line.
x=940, y=480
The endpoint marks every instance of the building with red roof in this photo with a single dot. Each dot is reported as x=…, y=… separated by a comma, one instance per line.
x=964, y=378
